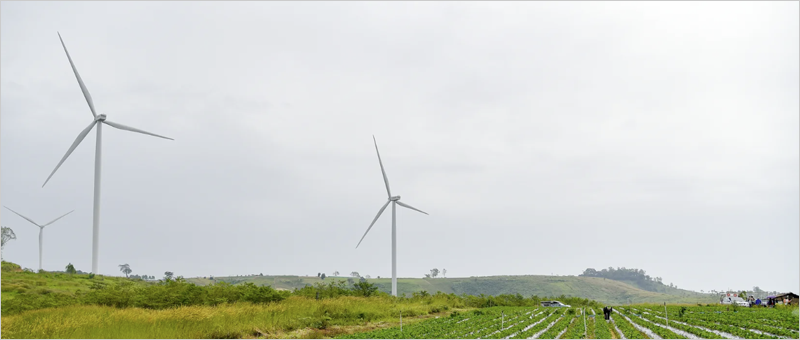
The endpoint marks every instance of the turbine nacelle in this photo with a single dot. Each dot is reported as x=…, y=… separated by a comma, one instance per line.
x=394, y=198
x=101, y=117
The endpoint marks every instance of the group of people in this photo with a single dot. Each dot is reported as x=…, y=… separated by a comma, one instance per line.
x=607, y=312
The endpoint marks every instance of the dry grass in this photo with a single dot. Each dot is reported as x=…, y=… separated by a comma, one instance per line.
x=295, y=317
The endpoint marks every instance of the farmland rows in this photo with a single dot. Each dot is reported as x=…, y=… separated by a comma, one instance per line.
x=509, y=321
x=636, y=322
x=683, y=327
x=628, y=330
x=577, y=330
x=650, y=333
x=517, y=327
x=732, y=325
x=555, y=330
x=541, y=317
x=541, y=326
x=662, y=330
x=615, y=329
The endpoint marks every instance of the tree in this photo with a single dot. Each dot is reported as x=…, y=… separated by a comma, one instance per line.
x=434, y=272
x=362, y=279
x=444, y=272
x=125, y=268
x=336, y=273
x=367, y=276
x=322, y=276
x=70, y=269
x=365, y=288
x=427, y=276
x=318, y=274
x=168, y=275
x=743, y=295
x=354, y=274
x=8, y=235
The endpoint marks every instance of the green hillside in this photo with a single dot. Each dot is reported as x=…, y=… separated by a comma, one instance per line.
x=594, y=288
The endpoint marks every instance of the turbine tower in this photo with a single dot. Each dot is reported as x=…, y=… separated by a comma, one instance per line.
x=41, y=230
x=98, y=119
x=395, y=200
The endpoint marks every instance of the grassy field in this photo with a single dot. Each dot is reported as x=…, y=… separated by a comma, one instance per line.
x=593, y=288
x=296, y=317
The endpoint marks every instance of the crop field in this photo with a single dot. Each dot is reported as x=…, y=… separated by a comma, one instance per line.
x=628, y=322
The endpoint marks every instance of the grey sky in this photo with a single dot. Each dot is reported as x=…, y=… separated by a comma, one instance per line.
x=542, y=137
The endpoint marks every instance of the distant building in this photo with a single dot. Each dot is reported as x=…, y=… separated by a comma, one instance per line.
x=790, y=297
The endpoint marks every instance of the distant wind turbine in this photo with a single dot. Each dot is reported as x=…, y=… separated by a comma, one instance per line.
x=101, y=118
x=41, y=230
x=395, y=200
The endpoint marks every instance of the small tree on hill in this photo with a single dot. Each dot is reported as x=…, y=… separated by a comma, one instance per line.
x=168, y=275
x=444, y=272
x=354, y=274
x=434, y=272
x=336, y=273
x=7, y=235
x=322, y=276
x=125, y=268
x=70, y=269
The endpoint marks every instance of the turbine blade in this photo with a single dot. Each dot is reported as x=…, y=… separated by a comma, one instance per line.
x=77, y=141
x=125, y=127
x=373, y=222
x=51, y=222
x=80, y=81
x=410, y=207
x=385, y=180
x=20, y=215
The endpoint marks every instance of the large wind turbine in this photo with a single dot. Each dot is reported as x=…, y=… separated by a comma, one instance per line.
x=41, y=230
x=98, y=119
x=395, y=200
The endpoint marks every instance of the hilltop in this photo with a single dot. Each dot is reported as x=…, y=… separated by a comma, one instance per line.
x=594, y=288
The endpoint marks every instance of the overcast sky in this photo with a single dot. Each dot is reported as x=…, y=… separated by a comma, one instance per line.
x=542, y=137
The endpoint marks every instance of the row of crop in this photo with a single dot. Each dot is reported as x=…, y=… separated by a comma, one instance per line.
x=543, y=324
x=658, y=330
x=534, y=316
x=590, y=327
x=555, y=330
x=731, y=323
x=576, y=330
x=627, y=329
x=604, y=329
x=506, y=320
x=655, y=318
x=538, y=322
x=484, y=318
x=742, y=321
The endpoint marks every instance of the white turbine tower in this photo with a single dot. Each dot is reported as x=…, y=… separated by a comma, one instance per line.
x=41, y=230
x=395, y=200
x=98, y=119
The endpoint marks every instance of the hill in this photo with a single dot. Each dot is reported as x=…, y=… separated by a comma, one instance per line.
x=594, y=288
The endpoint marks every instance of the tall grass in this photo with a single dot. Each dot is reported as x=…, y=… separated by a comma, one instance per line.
x=236, y=320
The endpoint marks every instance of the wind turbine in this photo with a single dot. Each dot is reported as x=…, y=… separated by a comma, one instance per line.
x=41, y=230
x=395, y=200
x=98, y=119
